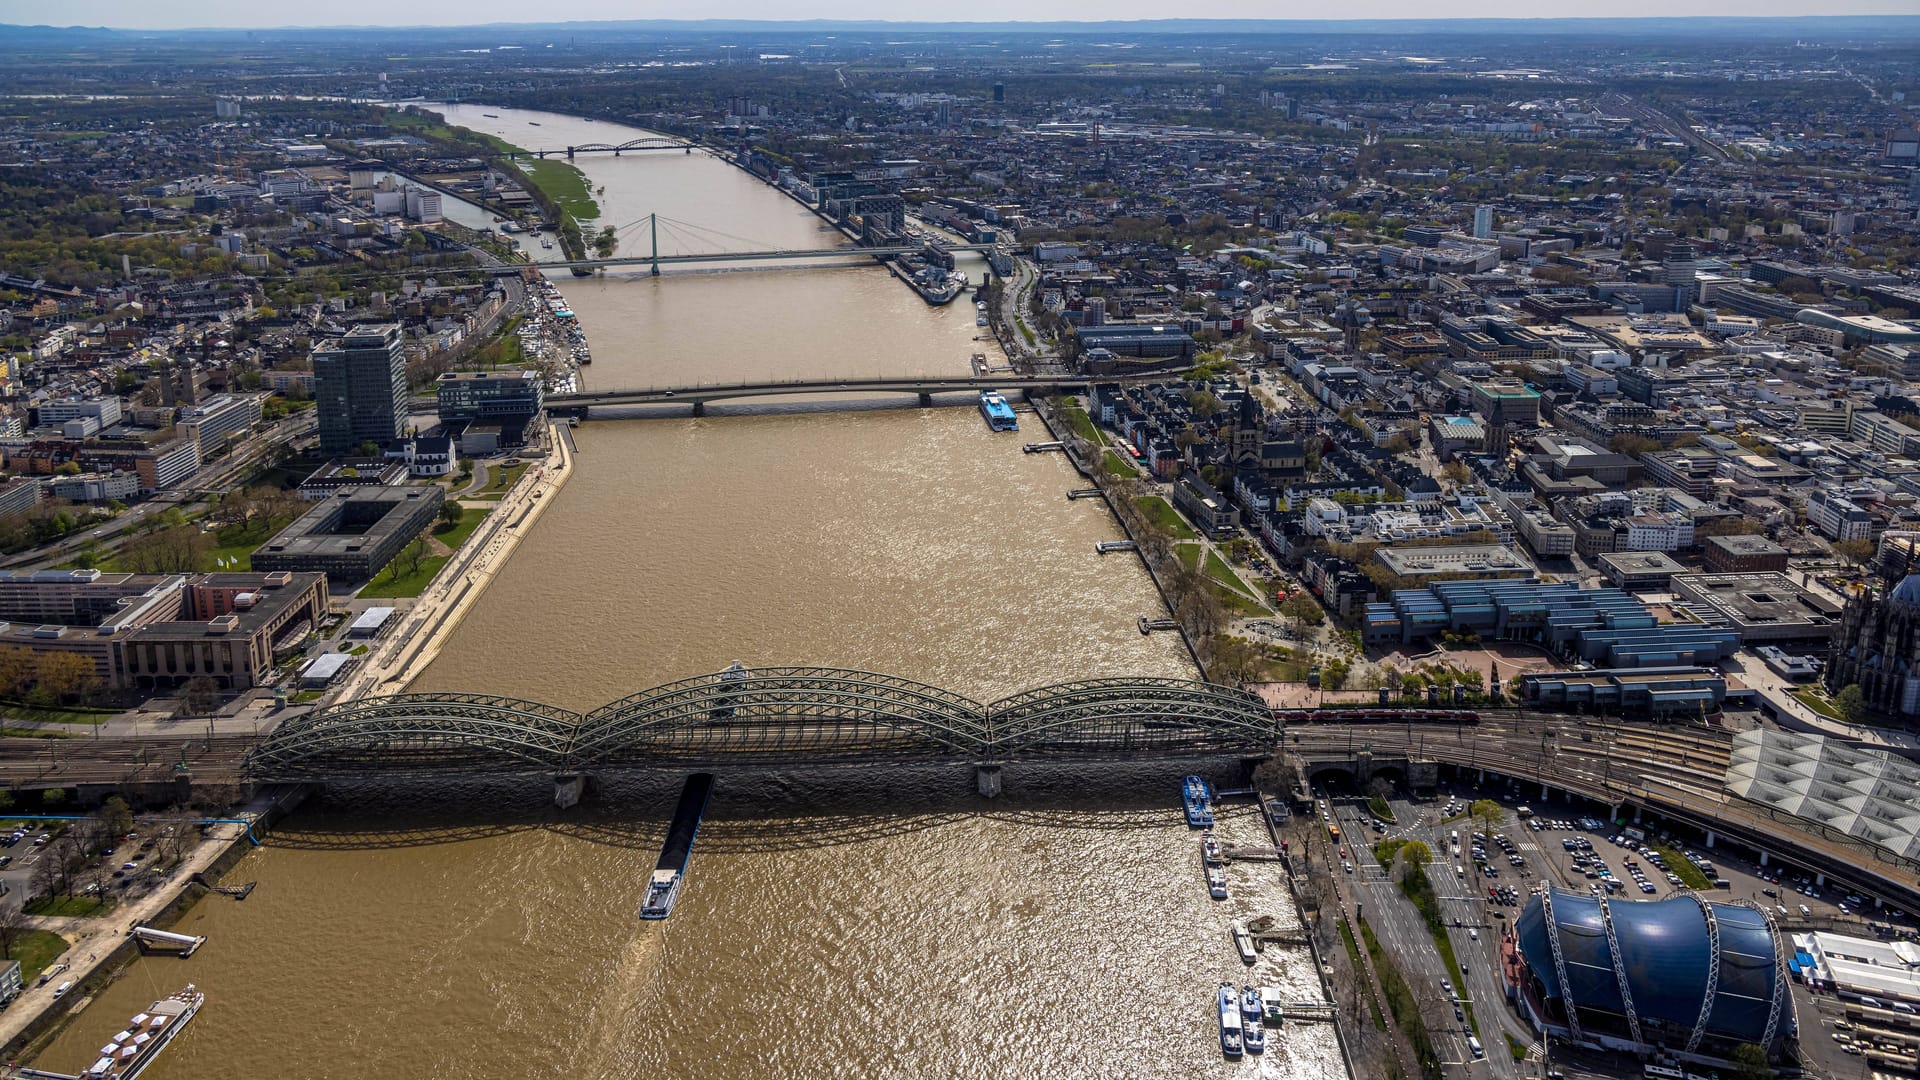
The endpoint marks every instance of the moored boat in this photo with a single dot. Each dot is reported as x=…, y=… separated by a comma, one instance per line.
x=1230, y=1043
x=1216, y=883
x=1243, y=942
x=1196, y=795
x=146, y=1035
x=999, y=414
x=1210, y=848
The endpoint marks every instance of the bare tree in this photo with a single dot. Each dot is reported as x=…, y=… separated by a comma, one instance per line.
x=69, y=853
x=416, y=551
x=13, y=926
x=198, y=696
x=45, y=877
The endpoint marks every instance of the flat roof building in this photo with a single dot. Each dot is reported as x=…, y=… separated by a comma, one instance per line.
x=370, y=622
x=1639, y=571
x=1465, y=560
x=1656, y=691
x=324, y=668
x=1604, y=626
x=1743, y=555
x=352, y=535
x=1762, y=606
x=342, y=474
x=152, y=630
x=1505, y=402
x=508, y=398
x=1861, y=328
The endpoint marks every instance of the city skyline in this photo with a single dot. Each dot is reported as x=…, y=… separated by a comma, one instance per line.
x=235, y=14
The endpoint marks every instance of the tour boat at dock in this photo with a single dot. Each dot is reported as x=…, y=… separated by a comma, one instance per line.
x=128, y=1054
x=1252, y=1036
x=1210, y=848
x=1243, y=941
x=1195, y=793
x=999, y=414
x=1216, y=883
x=1229, y=1020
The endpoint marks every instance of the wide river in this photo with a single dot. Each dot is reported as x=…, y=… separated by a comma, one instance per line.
x=879, y=923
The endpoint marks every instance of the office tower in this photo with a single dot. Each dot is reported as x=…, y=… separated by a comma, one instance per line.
x=360, y=388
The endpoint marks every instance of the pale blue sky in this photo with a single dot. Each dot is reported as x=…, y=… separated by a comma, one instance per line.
x=146, y=14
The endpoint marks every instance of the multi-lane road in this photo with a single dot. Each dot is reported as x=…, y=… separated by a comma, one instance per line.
x=218, y=477
x=1444, y=1000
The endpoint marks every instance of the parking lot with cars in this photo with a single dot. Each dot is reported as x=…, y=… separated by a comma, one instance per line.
x=1483, y=873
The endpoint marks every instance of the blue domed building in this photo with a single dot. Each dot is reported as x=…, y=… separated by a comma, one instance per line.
x=1685, y=976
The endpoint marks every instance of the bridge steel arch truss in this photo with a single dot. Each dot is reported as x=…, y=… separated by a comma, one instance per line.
x=771, y=715
x=403, y=733
x=1117, y=717
x=759, y=714
x=1782, y=1000
x=647, y=143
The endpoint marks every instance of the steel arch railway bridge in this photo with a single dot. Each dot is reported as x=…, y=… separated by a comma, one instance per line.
x=650, y=142
x=787, y=716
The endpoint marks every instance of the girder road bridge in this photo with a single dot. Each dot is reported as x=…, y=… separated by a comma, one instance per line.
x=923, y=387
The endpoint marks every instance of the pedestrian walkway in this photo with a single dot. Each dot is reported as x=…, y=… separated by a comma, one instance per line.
x=92, y=940
x=403, y=654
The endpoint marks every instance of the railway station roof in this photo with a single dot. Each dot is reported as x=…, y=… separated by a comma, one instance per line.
x=1870, y=795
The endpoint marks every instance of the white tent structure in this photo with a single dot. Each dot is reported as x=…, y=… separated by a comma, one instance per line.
x=1869, y=795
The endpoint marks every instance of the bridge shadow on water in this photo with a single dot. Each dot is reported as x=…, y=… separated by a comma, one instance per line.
x=718, y=835
x=750, y=813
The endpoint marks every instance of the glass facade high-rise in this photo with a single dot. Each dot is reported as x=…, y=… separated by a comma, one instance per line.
x=360, y=388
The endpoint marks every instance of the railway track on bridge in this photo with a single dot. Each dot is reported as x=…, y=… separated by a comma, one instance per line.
x=42, y=763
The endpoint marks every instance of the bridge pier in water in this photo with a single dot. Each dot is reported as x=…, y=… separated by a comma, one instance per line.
x=926, y=399
x=699, y=408
x=568, y=788
x=986, y=780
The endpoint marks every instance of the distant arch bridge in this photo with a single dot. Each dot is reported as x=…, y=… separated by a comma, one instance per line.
x=650, y=142
x=761, y=717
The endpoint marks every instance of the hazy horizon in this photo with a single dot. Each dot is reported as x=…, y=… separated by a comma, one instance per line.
x=375, y=14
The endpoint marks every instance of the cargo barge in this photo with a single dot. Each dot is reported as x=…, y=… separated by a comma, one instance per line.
x=671, y=871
